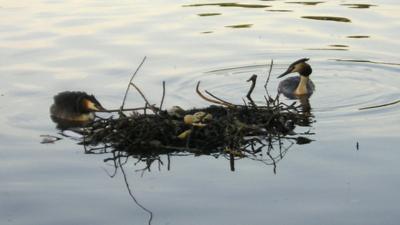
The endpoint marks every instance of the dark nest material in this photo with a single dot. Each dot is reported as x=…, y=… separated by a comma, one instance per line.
x=222, y=129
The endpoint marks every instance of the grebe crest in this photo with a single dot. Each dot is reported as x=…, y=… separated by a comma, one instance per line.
x=293, y=87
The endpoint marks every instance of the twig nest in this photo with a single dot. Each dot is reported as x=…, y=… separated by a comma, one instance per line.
x=198, y=118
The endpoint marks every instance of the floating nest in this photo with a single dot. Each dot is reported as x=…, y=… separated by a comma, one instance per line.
x=218, y=129
x=222, y=129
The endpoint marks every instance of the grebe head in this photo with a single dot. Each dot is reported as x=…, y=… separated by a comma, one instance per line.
x=88, y=103
x=299, y=66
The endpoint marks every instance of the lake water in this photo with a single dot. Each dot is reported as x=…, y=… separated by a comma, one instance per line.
x=347, y=175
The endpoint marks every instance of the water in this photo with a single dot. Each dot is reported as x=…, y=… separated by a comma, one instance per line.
x=52, y=46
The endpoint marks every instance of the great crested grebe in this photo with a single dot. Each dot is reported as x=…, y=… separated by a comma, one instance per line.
x=74, y=106
x=293, y=87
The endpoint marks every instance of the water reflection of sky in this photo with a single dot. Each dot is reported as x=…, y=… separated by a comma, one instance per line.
x=50, y=46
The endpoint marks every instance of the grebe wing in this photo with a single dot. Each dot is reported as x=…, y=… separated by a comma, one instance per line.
x=310, y=87
x=288, y=85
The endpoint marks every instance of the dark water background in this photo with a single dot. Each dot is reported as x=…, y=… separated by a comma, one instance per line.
x=51, y=46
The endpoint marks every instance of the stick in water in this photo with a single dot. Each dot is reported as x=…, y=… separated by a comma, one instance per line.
x=130, y=81
x=379, y=106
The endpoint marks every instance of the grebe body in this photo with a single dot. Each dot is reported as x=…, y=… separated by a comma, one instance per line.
x=293, y=87
x=288, y=87
x=74, y=106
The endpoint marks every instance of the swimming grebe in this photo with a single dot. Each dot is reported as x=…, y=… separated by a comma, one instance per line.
x=293, y=87
x=74, y=106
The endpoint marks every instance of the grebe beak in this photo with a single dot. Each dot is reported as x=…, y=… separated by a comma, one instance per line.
x=93, y=106
x=294, y=67
x=289, y=70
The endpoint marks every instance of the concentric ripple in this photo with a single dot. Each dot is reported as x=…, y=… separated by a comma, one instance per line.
x=342, y=87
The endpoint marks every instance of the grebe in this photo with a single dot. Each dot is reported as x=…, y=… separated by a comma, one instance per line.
x=293, y=87
x=74, y=107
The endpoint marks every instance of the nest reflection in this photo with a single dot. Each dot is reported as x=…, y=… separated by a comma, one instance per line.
x=268, y=150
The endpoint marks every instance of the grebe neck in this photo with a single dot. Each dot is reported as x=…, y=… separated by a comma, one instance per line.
x=302, y=86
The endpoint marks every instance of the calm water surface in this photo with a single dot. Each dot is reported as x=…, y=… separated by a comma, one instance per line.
x=50, y=46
